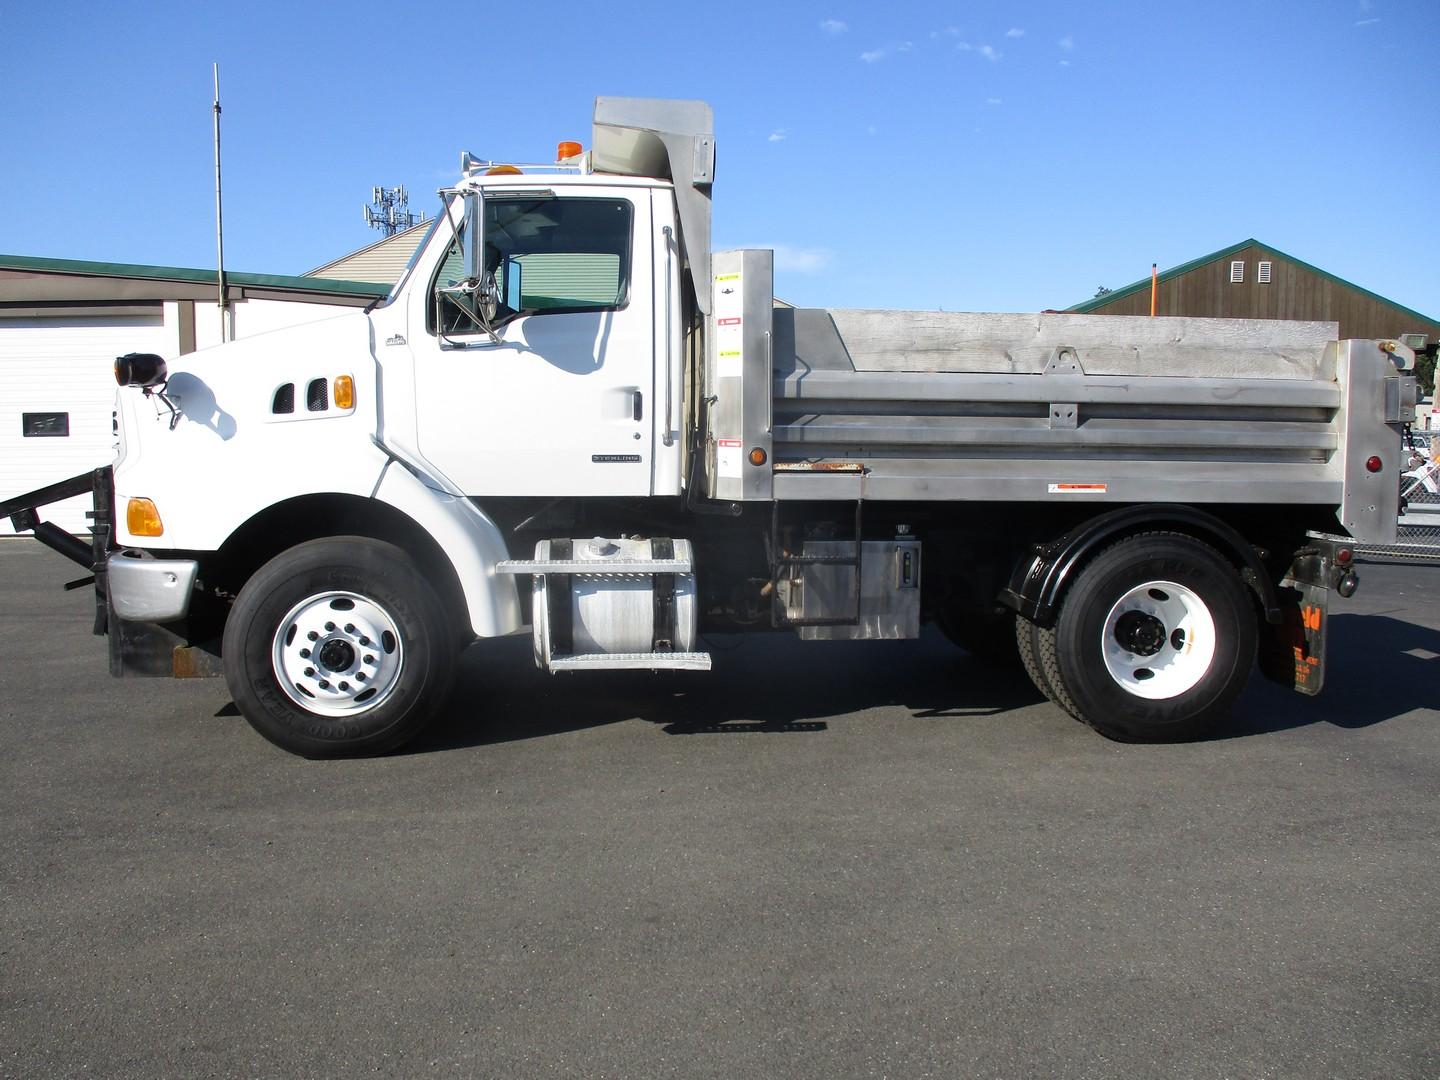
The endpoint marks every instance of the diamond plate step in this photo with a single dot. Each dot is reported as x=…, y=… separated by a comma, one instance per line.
x=638, y=661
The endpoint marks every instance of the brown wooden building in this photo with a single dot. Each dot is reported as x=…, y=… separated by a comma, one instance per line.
x=1251, y=280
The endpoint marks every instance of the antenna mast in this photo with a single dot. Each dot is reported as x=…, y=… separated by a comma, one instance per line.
x=220, y=219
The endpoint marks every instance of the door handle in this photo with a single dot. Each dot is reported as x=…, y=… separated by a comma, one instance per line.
x=637, y=411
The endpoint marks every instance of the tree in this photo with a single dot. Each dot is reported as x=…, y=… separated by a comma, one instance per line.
x=1425, y=371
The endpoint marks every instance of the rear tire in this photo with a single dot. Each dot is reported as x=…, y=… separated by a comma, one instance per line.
x=338, y=648
x=1027, y=642
x=1154, y=642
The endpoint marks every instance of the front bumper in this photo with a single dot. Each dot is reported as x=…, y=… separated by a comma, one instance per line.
x=146, y=589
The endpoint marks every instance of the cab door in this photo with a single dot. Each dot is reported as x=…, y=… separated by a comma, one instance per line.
x=551, y=395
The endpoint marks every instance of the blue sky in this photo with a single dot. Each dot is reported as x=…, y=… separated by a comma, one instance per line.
x=1005, y=157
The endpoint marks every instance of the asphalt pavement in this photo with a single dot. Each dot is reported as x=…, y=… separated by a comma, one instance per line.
x=820, y=860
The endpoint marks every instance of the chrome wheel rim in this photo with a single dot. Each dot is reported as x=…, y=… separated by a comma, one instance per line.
x=338, y=654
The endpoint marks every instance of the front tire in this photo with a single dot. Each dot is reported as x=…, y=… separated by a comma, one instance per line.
x=1155, y=641
x=338, y=648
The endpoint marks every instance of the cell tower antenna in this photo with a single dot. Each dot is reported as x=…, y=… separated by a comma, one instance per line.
x=388, y=210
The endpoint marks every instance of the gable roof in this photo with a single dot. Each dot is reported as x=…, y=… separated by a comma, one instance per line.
x=381, y=262
x=1184, y=268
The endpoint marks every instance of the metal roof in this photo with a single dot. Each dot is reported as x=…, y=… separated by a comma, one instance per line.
x=189, y=276
x=382, y=262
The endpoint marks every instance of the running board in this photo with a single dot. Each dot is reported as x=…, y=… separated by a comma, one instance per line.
x=633, y=661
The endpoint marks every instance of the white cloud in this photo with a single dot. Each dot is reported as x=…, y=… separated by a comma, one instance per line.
x=800, y=260
x=963, y=46
x=993, y=100
x=874, y=56
x=833, y=26
x=1366, y=22
x=1067, y=43
x=1064, y=63
x=778, y=135
x=872, y=130
x=989, y=52
x=1015, y=32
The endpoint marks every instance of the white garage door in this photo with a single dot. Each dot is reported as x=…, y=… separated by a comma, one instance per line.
x=57, y=390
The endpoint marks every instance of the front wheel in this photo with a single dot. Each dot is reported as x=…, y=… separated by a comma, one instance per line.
x=337, y=648
x=1155, y=641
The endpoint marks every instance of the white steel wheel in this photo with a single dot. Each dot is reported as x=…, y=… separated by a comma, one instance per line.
x=1158, y=640
x=338, y=647
x=1154, y=641
x=338, y=654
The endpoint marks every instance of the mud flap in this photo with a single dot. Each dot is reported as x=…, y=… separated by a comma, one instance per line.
x=1293, y=653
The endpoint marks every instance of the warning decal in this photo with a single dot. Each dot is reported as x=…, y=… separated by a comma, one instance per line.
x=728, y=459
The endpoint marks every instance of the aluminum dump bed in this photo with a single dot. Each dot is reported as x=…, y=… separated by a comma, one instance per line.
x=902, y=405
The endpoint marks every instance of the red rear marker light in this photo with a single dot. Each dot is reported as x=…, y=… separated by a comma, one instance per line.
x=1344, y=555
x=1373, y=463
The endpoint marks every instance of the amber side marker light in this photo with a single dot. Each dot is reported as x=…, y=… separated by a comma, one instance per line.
x=143, y=519
x=344, y=392
x=757, y=456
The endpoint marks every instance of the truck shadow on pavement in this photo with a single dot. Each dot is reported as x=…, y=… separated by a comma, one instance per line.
x=1381, y=667
x=771, y=684
x=1378, y=668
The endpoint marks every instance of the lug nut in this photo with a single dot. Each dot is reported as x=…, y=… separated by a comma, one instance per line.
x=324, y=684
x=309, y=672
x=364, y=641
x=304, y=654
x=369, y=659
x=359, y=676
x=349, y=627
x=344, y=686
x=330, y=627
x=313, y=636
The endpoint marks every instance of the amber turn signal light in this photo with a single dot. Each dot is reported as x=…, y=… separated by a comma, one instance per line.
x=143, y=519
x=344, y=392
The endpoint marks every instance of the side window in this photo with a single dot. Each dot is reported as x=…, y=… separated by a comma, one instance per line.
x=559, y=254
x=548, y=256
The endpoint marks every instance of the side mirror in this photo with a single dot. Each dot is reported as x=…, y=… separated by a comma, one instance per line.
x=470, y=244
x=512, y=283
x=487, y=298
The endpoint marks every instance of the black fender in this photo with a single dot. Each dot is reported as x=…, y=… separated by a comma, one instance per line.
x=1038, y=581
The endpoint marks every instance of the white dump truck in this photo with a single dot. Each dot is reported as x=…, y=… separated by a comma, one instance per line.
x=571, y=415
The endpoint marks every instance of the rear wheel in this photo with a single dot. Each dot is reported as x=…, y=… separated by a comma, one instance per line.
x=1154, y=642
x=338, y=647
